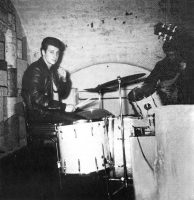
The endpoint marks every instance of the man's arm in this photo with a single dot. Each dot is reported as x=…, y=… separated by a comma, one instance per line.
x=168, y=83
x=37, y=92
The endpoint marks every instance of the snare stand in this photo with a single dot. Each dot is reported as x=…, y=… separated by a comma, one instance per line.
x=58, y=157
x=124, y=180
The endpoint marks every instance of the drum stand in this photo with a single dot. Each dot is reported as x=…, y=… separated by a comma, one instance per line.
x=124, y=179
x=100, y=97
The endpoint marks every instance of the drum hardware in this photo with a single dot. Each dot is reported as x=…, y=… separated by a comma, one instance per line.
x=103, y=157
x=127, y=80
x=96, y=164
x=145, y=126
x=58, y=157
x=79, y=167
x=139, y=131
x=147, y=106
x=112, y=86
x=151, y=129
x=101, y=91
x=75, y=133
x=124, y=180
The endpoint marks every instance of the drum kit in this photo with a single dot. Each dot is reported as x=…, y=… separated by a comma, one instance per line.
x=92, y=146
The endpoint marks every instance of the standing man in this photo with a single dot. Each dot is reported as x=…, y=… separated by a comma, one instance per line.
x=45, y=84
x=166, y=75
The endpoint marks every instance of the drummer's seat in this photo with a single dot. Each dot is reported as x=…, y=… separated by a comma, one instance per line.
x=41, y=131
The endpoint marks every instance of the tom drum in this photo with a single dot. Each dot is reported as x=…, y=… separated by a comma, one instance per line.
x=145, y=100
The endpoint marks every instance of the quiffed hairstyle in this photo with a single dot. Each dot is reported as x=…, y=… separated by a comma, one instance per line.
x=52, y=41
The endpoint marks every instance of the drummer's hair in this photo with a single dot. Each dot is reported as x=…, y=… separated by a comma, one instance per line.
x=54, y=42
x=169, y=46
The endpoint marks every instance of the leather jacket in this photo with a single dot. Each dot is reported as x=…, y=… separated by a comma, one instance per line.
x=37, y=87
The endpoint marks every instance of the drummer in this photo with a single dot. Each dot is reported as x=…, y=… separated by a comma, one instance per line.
x=166, y=75
x=45, y=84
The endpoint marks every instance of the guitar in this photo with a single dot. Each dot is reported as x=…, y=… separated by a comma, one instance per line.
x=165, y=31
x=169, y=87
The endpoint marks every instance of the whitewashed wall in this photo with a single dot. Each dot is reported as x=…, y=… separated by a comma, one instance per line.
x=95, y=31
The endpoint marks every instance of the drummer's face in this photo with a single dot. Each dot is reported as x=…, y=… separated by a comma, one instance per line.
x=171, y=55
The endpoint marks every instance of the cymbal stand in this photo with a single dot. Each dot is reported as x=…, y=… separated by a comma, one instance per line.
x=122, y=134
x=124, y=179
x=100, y=97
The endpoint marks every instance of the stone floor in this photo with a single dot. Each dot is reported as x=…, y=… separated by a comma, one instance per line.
x=33, y=175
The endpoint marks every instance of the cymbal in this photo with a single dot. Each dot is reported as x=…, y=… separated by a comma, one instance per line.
x=124, y=80
x=113, y=85
x=100, y=89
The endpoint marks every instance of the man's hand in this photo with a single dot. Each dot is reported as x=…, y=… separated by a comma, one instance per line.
x=183, y=65
x=62, y=74
x=70, y=108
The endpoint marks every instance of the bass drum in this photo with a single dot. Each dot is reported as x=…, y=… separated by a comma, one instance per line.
x=83, y=147
x=145, y=100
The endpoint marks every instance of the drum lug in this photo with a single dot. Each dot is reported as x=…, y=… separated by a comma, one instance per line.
x=104, y=161
x=64, y=168
x=58, y=164
x=96, y=162
x=75, y=133
x=79, y=165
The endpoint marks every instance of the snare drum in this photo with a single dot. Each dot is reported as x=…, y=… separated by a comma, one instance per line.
x=116, y=147
x=83, y=147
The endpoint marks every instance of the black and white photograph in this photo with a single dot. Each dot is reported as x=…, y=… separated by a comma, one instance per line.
x=96, y=100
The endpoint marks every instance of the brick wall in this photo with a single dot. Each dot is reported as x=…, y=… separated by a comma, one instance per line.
x=12, y=65
x=99, y=31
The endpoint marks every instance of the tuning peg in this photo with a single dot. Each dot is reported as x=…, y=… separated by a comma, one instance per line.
x=169, y=27
x=174, y=29
x=165, y=37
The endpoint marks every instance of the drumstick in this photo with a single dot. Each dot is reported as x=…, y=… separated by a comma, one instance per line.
x=84, y=103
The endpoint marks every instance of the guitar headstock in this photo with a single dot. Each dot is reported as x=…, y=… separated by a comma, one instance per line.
x=164, y=31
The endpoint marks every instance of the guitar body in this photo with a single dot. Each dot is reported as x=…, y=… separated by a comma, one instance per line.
x=168, y=90
x=168, y=94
